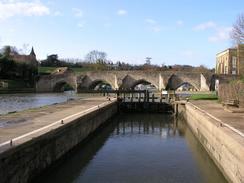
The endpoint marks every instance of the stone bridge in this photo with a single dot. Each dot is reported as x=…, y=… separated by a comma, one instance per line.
x=56, y=81
x=123, y=80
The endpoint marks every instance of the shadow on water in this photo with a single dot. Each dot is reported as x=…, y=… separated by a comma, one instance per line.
x=69, y=167
x=137, y=148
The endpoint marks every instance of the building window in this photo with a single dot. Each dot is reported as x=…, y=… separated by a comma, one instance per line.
x=234, y=65
x=234, y=72
x=226, y=70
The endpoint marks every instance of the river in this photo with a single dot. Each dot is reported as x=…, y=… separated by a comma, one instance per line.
x=19, y=102
x=143, y=148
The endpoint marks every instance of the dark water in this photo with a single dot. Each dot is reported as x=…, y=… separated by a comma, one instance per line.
x=138, y=148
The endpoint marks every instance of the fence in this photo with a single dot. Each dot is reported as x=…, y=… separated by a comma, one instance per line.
x=232, y=91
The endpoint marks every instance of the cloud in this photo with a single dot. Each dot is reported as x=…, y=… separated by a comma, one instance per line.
x=205, y=26
x=221, y=34
x=77, y=12
x=180, y=23
x=150, y=21
x=13, y=8
x=153, y=25
x=122, y=12
x=156, y=28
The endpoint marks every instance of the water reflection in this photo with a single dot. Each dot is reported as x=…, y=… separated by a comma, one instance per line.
x=138, y=148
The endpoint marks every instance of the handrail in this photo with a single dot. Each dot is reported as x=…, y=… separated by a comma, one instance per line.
x=61, y=122
x=221, y=122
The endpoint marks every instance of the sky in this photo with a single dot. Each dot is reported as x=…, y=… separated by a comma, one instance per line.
x=188, y=32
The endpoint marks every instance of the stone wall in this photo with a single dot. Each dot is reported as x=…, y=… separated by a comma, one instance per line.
x=232, y=91
x=225, y=147
x=240, y=56
x=26, y=161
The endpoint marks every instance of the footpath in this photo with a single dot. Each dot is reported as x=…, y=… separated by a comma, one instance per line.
x=235, y=120
x=20, y=126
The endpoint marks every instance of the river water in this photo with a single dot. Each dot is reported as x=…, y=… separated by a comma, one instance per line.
x=19, y=102
x=143, y=148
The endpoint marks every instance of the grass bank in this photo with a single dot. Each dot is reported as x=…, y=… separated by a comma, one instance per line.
x=49, y=70
x=203, y=96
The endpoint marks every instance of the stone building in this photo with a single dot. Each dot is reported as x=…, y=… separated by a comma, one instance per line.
x=230, y=61
x=25, y=59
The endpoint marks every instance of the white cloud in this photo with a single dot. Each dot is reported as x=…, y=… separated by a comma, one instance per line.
x=122, y=12
x=77, y=12
x=150, y=21
x=222, y=34
x=180, y=23
x=153, y=25
x=205, y=26
x=12, y=8
x=156, y=28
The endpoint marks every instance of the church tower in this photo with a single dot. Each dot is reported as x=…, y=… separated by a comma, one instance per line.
x=32, y=53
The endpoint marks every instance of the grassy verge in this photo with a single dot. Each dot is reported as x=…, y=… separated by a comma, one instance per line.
x=211, y=96
x=49, y=70
x=46, y=70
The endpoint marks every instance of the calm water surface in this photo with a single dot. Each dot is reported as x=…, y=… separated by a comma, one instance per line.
x=19, y=102
x=138, y=148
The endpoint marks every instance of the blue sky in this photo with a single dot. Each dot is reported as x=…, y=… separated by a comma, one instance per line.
x=170, y=31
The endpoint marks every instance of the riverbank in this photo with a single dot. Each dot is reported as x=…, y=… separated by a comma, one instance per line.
x=221, y=134
x=31, y=141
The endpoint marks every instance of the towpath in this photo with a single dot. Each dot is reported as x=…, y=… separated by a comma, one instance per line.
x=235, y=120
x=24, y=125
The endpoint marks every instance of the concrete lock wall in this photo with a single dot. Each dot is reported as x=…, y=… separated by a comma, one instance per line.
x=225, y=147
x=26, y=161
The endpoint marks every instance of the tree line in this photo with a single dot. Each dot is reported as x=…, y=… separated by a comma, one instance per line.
x=97, y=60
x=11, y=70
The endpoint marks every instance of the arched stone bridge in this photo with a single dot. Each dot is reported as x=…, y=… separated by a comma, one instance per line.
x=123, y=80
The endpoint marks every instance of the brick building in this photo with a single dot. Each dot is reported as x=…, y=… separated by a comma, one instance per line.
x=230, y=61
x=25, y=59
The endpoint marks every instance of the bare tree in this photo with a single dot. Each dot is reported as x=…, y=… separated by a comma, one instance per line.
x=25, y=48
x=96, y=57
x=237, y=33
x=7, y=50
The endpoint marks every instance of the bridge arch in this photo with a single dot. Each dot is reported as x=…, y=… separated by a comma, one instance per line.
x=57, y=81
x=129, y=82
x=142, y=82
x=175, y=82
x=62, y=86
x=98, y=83
x=186, y=87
